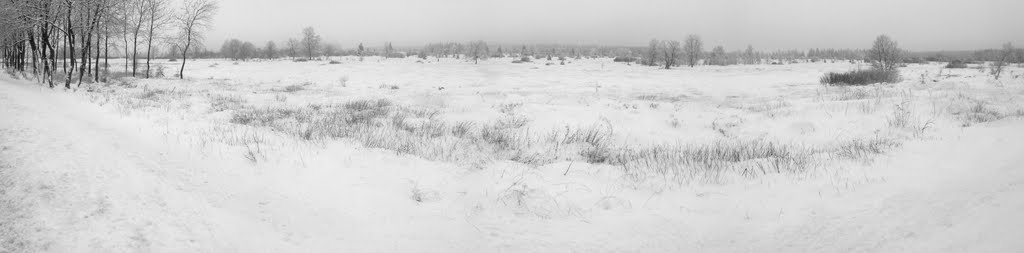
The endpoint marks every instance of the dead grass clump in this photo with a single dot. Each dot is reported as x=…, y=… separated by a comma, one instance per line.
x=853, y=94
x=593, y=143
x=660, y=98
x=978, y=112
x=709, y=161
x=296, y=87
x=269, y=115
x=146, y=98
x=382, y=124
x=509, y=108
x=864, y=148
x=769, y=108
x=220, y=103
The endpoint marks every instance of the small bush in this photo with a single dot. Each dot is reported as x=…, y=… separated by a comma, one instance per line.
x=861, y=77
x=914, y=60
x=343, y=81
x=624, y=59
x=159, y=72
x=956, y=64
x=334, y=62
x=294, y=88
x=522, y=60
x=301, y=60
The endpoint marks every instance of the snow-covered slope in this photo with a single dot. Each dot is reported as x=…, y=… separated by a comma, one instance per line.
x=76, y=176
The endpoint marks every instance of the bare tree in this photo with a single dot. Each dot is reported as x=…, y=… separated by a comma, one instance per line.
x=157, y=17
x=670, y=52
x=246, y=50
x=652, y=53
x=231, y=49
x=270, y=50
x=195, y=17
x=139, y=9
x=749, y=56
x=477, y=50
x=693, y=49
x=717, y=56
x=885, y=54
x=310, y=42
x=1005, y=56
x=292, y=48
x=330, y=49
x=388, y=50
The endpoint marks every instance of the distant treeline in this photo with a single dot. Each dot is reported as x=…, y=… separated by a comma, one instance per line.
x=689, y=52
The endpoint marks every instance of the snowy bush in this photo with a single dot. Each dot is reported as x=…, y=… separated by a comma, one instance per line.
x=956, y=64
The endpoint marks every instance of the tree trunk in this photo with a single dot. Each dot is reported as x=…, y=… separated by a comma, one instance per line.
x=149, y=45
x=70, y=51
x=106, y=55
x=184, y=53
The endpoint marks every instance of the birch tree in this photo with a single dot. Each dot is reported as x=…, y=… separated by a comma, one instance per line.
x=156, y=18
x=195, y=17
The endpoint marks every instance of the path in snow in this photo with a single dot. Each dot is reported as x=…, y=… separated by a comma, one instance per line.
x=73, y=179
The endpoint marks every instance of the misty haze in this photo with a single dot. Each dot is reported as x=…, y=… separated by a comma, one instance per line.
x=511, y=126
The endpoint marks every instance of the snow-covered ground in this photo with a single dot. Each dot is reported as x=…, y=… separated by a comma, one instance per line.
x=932, y=164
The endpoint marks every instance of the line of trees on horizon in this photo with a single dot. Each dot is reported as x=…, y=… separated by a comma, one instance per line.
x=78, y=37
x=667, y=54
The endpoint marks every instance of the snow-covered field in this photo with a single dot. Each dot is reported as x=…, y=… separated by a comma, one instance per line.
x=398, y=155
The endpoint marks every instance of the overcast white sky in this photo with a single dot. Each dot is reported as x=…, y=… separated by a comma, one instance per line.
x=776, y=24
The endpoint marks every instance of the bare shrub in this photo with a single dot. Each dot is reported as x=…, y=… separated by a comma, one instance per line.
x=253, y=143
x=623, y=59
x=956, y=64
x=509, y=108
x=343, y=81
x=1005, y=56
x=861, y=77
x=296, y=87
x=901, y=116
